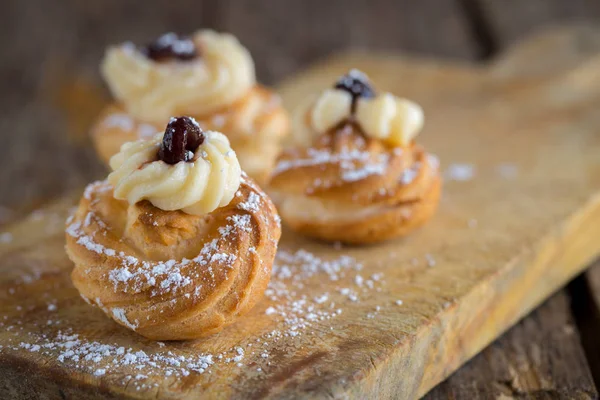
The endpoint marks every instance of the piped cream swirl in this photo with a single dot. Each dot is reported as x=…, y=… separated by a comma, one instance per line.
x=196, y=187
x=154, y=91
x=396, y=121
x=390, y=118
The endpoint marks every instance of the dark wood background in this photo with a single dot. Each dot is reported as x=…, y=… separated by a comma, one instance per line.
x=50, y=91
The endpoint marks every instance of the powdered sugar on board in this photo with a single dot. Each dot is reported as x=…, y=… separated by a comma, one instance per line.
x=101, y=359
x=355, y=164
x=462, y=172
x=507, y=170
x=306, y=295
x=309, y=294
x=5, y=237
x=459, y=172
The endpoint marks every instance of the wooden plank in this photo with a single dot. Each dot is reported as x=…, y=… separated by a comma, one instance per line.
x=531, y=60
x=287, y=35
x=540, y=357
x=549, y=53
x=486, y=275
x=593, y=277
x=89, y=25
x=585, y=292
x=511, y=20
x=592, y=323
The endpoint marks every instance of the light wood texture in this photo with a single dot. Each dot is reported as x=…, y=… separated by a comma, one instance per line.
x=510, y=20
x=525, y=223
x=310, y=35
x=51, y=89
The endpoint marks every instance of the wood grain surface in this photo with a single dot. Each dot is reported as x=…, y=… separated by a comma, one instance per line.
x=516, y=367
x=532, y=147
x=51, y=89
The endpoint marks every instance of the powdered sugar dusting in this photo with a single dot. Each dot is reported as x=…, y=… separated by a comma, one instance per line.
x=338, y=279
x=218, y=121
x=252, y=204
x=120, y=315
x=355, y=164
x=126, y=123
x=241, y=222
x=170, y=276
x=290, y=312
x=460, y=172
x=6, y=237
x=408, y=175
x=101, y=359
x=507, y=170
x=356, y=174
x=97, y=187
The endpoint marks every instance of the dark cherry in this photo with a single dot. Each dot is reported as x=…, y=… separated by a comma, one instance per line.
x=182, y=138
x=357, y=84
x=171, y=46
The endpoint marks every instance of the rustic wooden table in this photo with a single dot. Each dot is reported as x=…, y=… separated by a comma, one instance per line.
x=49, y=95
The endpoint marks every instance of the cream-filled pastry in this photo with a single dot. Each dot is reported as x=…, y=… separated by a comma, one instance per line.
x=209, y=76
x=356, y=174
x=178, y=242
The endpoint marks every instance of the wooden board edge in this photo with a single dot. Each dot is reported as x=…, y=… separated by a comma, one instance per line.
x=541, y=356
x=531, y=277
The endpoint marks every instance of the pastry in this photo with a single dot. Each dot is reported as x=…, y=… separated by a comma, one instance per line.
x=209, y=76
x=356, y=174
x=178, y=242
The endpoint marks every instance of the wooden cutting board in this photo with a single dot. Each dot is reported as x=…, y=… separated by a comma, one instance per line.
x=519, y=142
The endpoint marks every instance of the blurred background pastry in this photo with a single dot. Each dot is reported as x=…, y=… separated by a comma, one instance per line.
x=356, y=175
x=209, y=76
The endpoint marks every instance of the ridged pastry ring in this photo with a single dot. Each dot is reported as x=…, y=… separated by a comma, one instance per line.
x=168, y=275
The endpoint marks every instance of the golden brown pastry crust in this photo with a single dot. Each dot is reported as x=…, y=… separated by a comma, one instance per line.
x=168, y=275
x=255, y=126
x=360, y=189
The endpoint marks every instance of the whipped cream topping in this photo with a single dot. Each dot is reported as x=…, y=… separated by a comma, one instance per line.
x=392, y=119
x=153, y=91
x=331, y=108
x=207, y=182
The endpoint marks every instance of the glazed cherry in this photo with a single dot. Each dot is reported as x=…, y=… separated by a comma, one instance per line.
x=182, y=137
x=357, y=84
x=171, y=46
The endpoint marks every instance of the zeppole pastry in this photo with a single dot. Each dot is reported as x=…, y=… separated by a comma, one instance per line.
x=357, y=175
x=178, y=242
x=209, y=76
